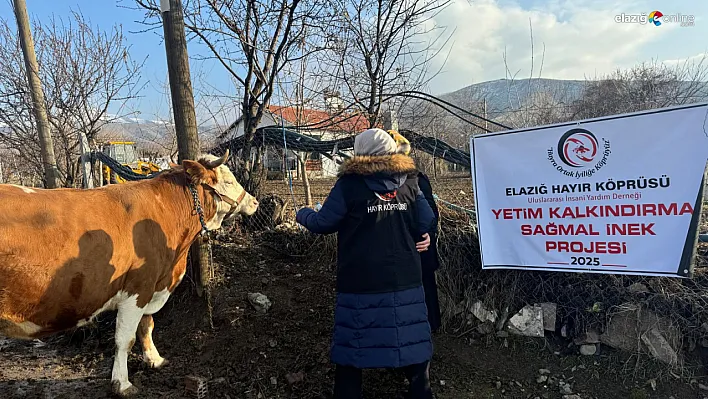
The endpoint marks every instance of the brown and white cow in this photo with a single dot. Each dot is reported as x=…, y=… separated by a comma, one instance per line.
x=67, y=255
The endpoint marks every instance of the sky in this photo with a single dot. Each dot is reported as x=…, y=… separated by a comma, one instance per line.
x=582, y=39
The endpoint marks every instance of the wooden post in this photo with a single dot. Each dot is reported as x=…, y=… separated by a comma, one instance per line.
x=184, y=115
x=87, y=175
x=51, y=173
x=390, y=120
x=2, y=178
x=180, y=80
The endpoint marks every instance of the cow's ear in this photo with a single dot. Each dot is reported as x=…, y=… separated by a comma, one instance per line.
x=196, y=171
x=172, y=165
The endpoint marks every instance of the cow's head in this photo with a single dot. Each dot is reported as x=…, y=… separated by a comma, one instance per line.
x=231, y=198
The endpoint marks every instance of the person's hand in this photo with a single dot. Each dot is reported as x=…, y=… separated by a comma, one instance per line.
x=423, y=245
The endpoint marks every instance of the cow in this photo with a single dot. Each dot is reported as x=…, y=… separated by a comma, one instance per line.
x=67, y=255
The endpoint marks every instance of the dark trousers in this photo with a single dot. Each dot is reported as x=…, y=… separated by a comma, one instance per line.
x=348, y=382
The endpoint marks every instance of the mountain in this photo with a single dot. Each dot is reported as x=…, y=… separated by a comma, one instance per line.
x=516, y=103
x=151, y=135
x=505, y=95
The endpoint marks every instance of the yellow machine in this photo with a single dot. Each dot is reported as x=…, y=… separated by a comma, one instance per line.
x=126, y=153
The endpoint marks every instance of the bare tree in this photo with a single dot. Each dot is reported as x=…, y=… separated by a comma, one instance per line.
x=645, y=86
x=253, y=40
x=84, y=72
x=377, y=48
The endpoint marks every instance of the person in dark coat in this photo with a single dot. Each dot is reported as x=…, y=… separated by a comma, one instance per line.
x=430, y=261
x=378, y=213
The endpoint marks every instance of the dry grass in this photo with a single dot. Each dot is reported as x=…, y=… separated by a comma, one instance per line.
x=583, y=300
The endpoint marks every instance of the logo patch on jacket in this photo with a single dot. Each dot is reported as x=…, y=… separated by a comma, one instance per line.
x=386, y=197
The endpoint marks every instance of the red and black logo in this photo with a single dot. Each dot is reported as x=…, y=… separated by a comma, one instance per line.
x=580, y=150
x=387, y=196
x=577, y=148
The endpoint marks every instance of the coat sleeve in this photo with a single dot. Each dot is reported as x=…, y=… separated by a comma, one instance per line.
x=426, y=218
x=328, y=219
x=427, y=189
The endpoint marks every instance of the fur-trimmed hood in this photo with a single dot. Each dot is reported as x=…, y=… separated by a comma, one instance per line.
x=382, y=173
x=366, y=165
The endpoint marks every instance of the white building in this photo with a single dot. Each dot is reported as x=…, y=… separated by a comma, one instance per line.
x=327, y=128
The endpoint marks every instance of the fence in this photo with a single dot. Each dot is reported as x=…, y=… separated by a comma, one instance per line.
x=298, y=172
x=584, y=301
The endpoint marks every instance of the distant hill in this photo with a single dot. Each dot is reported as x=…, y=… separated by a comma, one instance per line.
x=149, y=135
x=504, y=98
x=503, y=95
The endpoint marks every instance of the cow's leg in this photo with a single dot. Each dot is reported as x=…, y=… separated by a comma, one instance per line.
x=150, y=354
x=129, y=315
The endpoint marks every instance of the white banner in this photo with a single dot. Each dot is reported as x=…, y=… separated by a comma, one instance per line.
x=620, y=194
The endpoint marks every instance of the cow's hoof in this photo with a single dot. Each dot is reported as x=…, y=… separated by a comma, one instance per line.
x=158, y=364
x=125, y=391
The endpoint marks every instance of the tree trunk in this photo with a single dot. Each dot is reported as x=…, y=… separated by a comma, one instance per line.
x=305, y=180
x=184, y=116
x=180, y=82
x=46, y=144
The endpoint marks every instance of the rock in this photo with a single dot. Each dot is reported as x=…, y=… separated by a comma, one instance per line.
x=260, y=302
x=549, y=315
x=702, y=387
x=659, y=346
x=571, y=397
x=442, y=382
x=541, y=379
x=588, y=337
x=498, y=384
x=631, y=328
x=528, y=322
x=292, y=378
x=273, y=381
x=588, y=350
x=565, y=388
x=544, y=371
x=638, y=288
x=482, y=313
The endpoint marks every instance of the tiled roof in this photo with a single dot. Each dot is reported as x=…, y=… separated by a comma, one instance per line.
x=347, y=123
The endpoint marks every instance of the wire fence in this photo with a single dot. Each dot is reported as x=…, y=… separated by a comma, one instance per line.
x=623, y=310
x=298, y=172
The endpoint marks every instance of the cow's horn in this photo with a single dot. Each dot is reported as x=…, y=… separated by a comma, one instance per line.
x=220, y=161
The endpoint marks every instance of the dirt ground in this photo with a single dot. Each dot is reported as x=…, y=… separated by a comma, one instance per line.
x=284, y=353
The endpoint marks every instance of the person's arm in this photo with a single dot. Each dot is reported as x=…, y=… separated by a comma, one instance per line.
x=427, y=189
x=426, y=218
x=327, y=220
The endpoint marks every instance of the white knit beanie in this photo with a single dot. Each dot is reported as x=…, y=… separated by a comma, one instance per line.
x=374, y=142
